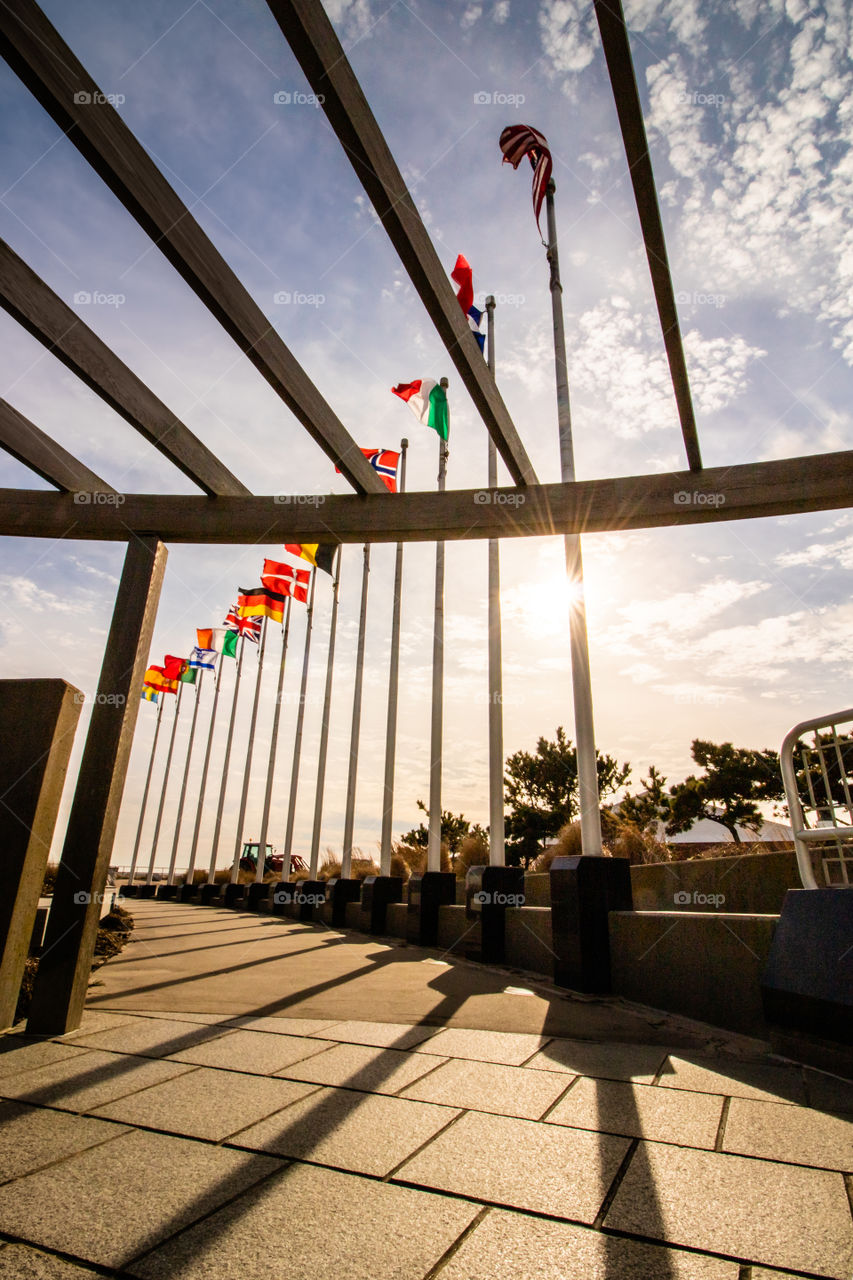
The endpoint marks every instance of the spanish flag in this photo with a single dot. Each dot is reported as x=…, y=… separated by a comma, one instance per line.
x=320, y=554
x=156, y=678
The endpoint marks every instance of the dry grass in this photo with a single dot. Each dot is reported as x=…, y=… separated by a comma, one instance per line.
x=113, y=932
x=473, y=852
x=620, y=839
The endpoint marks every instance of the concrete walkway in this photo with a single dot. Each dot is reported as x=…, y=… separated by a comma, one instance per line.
x=254, y=1098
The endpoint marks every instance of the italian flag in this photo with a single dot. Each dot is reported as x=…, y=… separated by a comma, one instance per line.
x=221, y=639
x=428, y=402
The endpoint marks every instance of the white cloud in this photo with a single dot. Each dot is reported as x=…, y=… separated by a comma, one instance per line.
x=569, y=34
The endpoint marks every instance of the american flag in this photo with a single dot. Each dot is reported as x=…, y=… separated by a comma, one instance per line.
x=248, y=627
x=520, y=140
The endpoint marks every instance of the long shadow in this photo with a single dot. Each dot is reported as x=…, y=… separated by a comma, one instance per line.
x=188, y=951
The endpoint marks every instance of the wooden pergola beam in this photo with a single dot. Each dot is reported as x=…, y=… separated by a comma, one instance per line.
x=37, y=450
x=312, y=38
x=620, y=66
x=821, y=482
x=43, y=314
x=37, y=53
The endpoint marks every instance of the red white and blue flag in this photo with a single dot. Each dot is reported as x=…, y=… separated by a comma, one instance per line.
x=248, y=627
x=384, y=463
x=520, y=140
x=464, y=277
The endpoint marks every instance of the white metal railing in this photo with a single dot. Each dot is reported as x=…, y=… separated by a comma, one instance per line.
x=817, y=770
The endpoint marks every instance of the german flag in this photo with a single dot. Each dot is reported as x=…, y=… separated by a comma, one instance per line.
x=320, y=554
x=259, y=602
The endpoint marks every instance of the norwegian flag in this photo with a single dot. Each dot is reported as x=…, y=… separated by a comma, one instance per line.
x=384, y=462
x=248, y=627
x=520, y=140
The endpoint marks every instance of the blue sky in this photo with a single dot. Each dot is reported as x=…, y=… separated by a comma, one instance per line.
x=732, y=632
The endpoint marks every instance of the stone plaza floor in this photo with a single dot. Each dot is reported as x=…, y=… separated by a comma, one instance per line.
x=251, y=1097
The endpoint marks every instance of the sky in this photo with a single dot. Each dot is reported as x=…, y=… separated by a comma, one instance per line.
x=733, y=632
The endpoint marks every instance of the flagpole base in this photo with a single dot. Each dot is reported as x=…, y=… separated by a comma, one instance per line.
x=377, y=894
x=339, y=892
x=258, y=896
x=583, y=890
x=427, y=893
x=489, y=890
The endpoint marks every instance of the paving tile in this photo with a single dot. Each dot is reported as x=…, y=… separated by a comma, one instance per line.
x=764, y=1081
x=526, y=1165
x=356, y=1131
x=97, y=1020
x=389, y=1035
x=18, y=1055
x=773, y=1214
x=260, y=1052
x=109, y=1204
x=637, y=1062
x=642, y=1111
x=204, y=1103
x=154, y=1037
x=489, y=1086
x=20, y=1262
x=513, y=1245
x=359, y=1066
x=483, y=1046
x=81, y=1083
x=203, y=1019
x=763, y=1273
x=828, y=1093
x=282, y=1230
x=32, y=1136
x=797, y=1134
x=284, y=1026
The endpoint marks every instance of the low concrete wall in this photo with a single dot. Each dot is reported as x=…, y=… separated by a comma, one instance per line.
x=751, y=883
x=528, y=939
x=705, y=965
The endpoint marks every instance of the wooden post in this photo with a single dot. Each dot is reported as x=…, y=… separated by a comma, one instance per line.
x=63, y=974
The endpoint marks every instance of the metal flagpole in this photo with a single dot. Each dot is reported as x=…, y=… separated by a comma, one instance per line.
x=145, y=792
x=224, y=783
x=297, y=742
x=581, y=682
x=324, y=731
x=265, y=820
x=349, y=818
x=156, y=836
x=247, y=770
x=180, y=814
x=434, y=835
x=203, y=786
x=496, y=732
x=393, y=677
